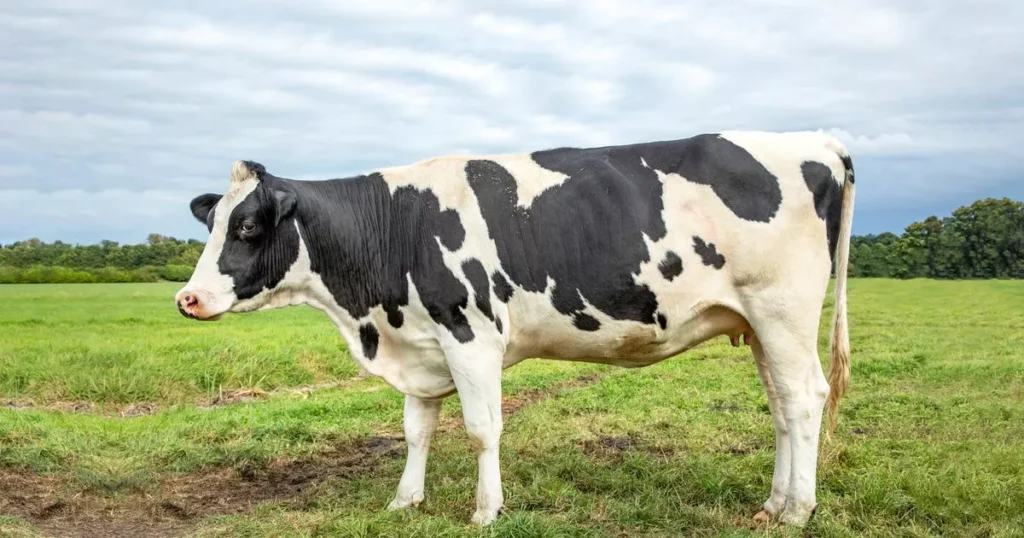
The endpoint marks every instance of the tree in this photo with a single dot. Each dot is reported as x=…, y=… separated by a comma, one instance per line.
x=992, y=232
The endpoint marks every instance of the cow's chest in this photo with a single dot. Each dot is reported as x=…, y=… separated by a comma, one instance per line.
x=411, y=360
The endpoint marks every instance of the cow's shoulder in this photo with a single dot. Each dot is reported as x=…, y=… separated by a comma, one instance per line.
x=443, y=177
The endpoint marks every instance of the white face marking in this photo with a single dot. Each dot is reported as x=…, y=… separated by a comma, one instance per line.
x=216, y=290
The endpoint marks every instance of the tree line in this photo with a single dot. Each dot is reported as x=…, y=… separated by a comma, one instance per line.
x=980, y=241
x=159, y=258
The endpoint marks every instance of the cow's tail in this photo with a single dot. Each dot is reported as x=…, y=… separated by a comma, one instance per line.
x=839, y=364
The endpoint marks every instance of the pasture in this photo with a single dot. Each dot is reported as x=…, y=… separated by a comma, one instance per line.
x=121, y=418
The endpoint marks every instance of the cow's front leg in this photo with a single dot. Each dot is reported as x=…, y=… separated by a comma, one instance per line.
x=476, y=371
x=420, y=422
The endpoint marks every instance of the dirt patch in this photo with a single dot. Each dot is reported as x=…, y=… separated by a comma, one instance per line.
x=81, y=406
x=236, y=396
x=615, y=448
x=512, y=403
x=741, y=449
x=18, y=404
x=611, y=449
x=138, y=410
x=252, y=394
x=70, y=406
x=178, y=502
x=614, y=444
x=723, y=407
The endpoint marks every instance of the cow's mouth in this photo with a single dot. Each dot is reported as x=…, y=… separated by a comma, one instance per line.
x=199, y=317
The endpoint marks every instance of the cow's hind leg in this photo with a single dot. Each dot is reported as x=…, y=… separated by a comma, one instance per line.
x=780, y=479
x=420, y=422
x=786, y=330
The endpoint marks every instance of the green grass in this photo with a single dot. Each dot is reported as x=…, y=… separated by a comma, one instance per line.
x=930, y=440
x=121, y=343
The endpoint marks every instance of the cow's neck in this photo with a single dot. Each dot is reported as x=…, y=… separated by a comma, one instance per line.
x=343, y=227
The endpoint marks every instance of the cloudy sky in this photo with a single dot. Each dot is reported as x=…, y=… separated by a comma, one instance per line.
x=114, y=114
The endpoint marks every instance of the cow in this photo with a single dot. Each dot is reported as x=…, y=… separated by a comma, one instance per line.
x=443, y=273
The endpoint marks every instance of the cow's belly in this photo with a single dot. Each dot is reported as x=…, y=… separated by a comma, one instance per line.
x=627, y=344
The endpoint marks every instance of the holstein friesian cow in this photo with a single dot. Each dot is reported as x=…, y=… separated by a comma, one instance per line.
x=441, y=274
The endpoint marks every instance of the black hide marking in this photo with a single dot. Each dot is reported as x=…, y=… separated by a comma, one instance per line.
x=671, y=266
x=477, y=276
x=828, y=199
x=585, y=322
x=743, y=184
x=707, y=253
x=363, y=241
x=497, y=323
x=261, y=242
x=502, y=289
x=585, y=234
x=662, y=321
x=370, y=339
x=395, y=317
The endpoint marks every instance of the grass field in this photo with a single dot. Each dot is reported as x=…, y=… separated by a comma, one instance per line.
x=121, y=418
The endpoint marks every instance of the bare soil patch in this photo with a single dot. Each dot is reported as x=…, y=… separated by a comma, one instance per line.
x=611, y=448
x=513, y=402
x=178, y=502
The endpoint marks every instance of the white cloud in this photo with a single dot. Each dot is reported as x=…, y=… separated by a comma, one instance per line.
x=881, y=144
x=94, y=93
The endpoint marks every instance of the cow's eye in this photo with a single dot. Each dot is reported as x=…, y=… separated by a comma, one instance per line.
x=248, y=227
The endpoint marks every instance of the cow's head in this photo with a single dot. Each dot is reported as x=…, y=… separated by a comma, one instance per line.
x=253, y=244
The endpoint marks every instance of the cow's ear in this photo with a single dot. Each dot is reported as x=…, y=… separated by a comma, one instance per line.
x=202, y=205
x=285, y=201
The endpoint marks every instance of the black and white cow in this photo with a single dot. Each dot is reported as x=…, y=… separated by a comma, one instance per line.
x=443, y=273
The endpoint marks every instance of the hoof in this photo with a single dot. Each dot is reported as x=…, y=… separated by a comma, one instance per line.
x=797, y=516
x=484, y=517
x=401, y=503
x=762, y=517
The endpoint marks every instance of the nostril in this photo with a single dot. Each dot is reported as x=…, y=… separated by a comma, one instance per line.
x=188, y=301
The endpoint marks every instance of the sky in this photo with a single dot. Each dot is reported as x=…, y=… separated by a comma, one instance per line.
x=114, y=114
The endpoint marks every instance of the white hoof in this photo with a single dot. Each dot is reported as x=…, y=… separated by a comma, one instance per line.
x=485, y=516
x=405, y=501
x=797, y=515
x=771, y=508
